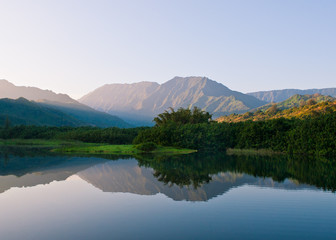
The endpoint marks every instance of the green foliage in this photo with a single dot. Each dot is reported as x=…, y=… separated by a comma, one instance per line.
x=24, y=112
x=146, y=147
x=311, y=135
x=182, y=116
x=85, y=134
x=7, y=123
x=197, y=169
x=316, y=135
x=311, y=108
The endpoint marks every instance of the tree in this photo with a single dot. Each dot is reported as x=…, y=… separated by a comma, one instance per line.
x=311, y=102
x=182, y=116
x=7, y=123
x=273, y=109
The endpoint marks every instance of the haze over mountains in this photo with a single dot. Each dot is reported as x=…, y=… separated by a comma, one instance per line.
x=35, y=106
x=282, y=95
x=136, y=103
x=9, y=90
x=144, y=100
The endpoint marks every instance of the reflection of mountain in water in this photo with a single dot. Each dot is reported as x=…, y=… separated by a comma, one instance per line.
x=127, y=176
x=193, y=177
x=25, y=171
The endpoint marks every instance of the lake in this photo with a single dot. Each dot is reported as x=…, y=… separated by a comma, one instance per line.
x=196, y=196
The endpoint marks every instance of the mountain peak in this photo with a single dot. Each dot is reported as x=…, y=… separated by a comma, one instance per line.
x=9, y=90
x=145, y=100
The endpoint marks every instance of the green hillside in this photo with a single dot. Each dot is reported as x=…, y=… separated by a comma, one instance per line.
x=298, y=100
x=24, y=112
x=298, y=106
x=86, y=114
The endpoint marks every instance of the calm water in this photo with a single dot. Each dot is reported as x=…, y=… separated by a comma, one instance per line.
x=199, y=196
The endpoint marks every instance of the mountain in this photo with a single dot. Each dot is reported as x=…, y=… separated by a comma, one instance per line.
x=142, y=101
x=9, y=90
x=22, y=111
x=281, y=95
x=297, y=106
x=60, y=109
x=297, y=100
x=85, y=114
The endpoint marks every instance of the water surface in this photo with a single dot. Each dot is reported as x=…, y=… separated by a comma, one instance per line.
x=198, y=196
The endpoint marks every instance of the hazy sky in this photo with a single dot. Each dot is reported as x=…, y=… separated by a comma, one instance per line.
x=76, y=46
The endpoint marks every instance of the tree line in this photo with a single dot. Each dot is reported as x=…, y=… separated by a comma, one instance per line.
x=111, y=135
x=194, y=129
x=312, y=135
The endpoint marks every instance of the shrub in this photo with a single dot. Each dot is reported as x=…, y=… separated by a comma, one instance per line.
x=146, y=147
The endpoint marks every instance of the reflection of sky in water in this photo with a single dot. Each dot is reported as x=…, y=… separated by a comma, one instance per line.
x=75, y=209
x=95, y=198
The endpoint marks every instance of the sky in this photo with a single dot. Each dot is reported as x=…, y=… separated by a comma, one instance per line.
x=76, y=46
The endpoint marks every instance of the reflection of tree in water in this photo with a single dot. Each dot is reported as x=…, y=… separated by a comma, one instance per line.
x=197, y=169
x=6, y=159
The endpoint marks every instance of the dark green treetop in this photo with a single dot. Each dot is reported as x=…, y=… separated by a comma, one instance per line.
x=183, y=116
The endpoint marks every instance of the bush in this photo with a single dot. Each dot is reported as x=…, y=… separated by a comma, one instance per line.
x=146, y=147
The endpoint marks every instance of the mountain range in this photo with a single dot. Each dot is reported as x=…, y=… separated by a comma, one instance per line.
x=144, y=100
x=297, y=106
x=34, y=106
x=126, y=105
x=297, y=100
x=282, y=95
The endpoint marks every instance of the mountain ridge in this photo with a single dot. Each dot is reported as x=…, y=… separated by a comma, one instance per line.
x=77, y=113
x=297, y=106
x=283, y=94
x=147, y=99
x=9, y=90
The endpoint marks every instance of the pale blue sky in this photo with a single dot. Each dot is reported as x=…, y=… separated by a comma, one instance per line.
x=75, y=46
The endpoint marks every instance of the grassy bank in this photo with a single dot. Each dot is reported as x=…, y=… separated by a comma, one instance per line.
x=73, y=147
x=120, y=149
x=37, y=143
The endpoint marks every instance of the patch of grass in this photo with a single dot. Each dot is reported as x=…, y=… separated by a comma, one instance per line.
x=120, y=149
x=259, y=152
x=42, y=143
x=35, y=142
x=77, y=147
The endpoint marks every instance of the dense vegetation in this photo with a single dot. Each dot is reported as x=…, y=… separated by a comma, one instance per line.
x=85, y=134
x=193, y=129
x=182, y=116
x=296, y=107
x=312, y=135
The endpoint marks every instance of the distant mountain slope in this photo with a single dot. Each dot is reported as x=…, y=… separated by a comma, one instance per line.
x=9, y=90
x=87, y=115
x=81, y=114
x=297, y=106
x=297, y=100
x=281, y=95
x=144, y=100
x=22, y=111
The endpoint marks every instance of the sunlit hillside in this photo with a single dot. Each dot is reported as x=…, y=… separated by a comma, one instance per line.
x=298, y=106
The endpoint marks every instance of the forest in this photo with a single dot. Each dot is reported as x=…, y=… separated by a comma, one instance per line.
x=315, y=134
x=194, y=129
